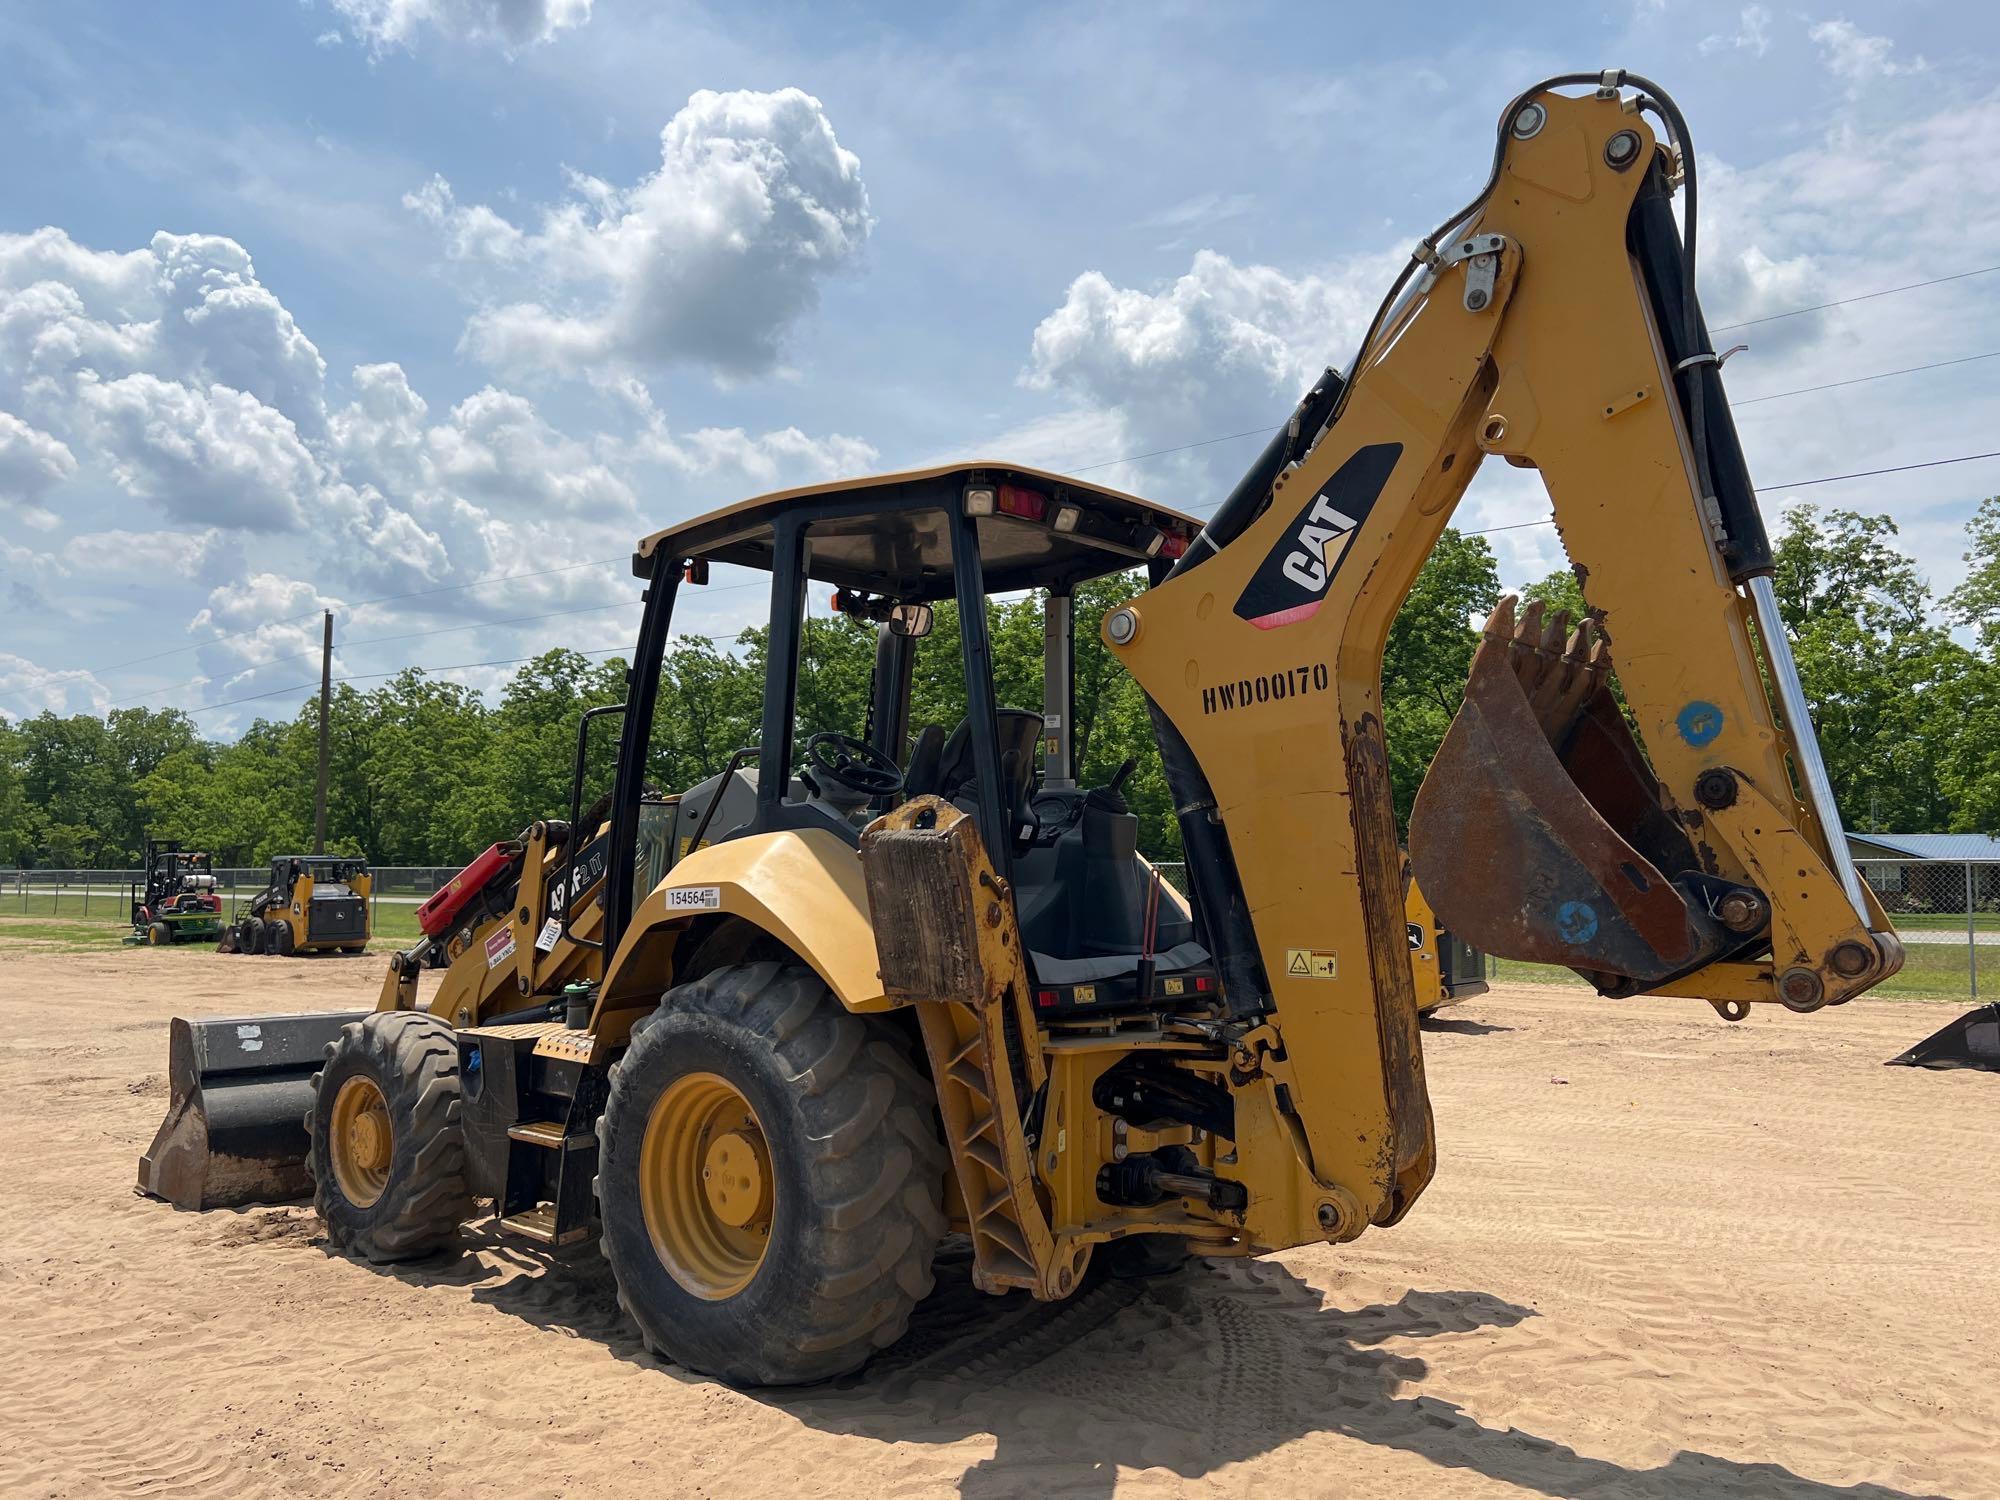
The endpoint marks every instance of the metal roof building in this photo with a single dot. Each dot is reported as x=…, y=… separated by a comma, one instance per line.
x=1957, y=847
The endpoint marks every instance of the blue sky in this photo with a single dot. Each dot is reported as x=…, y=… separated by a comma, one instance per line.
x=307, y=305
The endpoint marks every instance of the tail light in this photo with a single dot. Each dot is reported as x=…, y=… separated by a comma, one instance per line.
x=1026, y=504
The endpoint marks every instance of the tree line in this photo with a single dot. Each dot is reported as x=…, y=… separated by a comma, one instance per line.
x=425, y=771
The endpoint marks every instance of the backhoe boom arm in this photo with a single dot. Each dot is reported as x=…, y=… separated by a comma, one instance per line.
x=1555, y=329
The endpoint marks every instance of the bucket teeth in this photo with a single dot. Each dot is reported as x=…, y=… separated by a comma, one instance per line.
x=1560, y=670
x=1540, y=832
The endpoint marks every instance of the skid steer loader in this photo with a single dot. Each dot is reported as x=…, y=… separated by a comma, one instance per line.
x=863, y=988
x=313, y=903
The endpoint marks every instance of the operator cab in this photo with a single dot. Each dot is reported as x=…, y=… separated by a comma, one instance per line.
x=892, y=553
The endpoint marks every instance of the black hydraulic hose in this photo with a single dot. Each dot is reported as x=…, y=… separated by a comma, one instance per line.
x=1252, y=492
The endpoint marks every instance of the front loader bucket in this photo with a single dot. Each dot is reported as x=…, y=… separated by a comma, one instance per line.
x=240, y=1089
x=1539, y=833
x=1972, y=1041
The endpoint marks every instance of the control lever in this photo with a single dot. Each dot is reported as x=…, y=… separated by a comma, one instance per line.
x=1122, y=775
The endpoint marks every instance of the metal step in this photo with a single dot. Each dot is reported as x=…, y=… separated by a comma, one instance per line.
x=547, y=1133
x=539, y=1224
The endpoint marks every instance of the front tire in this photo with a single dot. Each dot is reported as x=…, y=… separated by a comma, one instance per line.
x=387, y=1158
x=770, y=1179
x=159, y=935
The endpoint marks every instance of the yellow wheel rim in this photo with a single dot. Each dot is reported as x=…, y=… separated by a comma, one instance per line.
x=705, y=1185
x=359, y=1140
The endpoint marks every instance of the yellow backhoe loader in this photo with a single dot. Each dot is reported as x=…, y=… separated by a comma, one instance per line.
x=864, y=988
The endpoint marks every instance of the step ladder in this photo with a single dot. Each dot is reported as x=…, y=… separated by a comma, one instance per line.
x=947, y=940
x=567, y=1219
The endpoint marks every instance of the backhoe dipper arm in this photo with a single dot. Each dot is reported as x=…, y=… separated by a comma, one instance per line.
x=1551, y=323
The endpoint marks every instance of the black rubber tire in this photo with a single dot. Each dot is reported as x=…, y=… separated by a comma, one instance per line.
x=248, y=932
x=858, y=1165
x=159, y=935
x=278, y=939
x=413, y=1059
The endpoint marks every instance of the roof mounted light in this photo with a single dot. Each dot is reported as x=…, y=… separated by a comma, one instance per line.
x=1066, y=517
x=1029, y=505
x=980, y=499
x=1155, y=540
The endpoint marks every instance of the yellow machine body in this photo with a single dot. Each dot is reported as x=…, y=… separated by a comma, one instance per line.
x=1272, y=1092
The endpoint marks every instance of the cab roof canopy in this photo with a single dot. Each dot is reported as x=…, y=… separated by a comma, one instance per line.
x=887, y=534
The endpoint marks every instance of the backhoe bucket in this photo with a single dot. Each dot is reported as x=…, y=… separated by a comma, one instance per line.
x=239, y=1092
x=1539, y=833
x=1972, y=1041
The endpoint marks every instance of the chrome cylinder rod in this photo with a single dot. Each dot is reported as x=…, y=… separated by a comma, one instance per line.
x=1805, y=744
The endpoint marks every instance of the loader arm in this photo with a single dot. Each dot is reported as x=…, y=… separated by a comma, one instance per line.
x=1542, y=325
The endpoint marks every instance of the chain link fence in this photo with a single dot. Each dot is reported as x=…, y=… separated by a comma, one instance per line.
x=105, y=895
x=1948, y=913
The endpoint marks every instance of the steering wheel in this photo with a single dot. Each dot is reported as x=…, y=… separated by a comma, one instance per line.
x=854, y=764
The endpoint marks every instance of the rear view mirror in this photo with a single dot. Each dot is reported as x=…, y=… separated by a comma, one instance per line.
x=913, y=620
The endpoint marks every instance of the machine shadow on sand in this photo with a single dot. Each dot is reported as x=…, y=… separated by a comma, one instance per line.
x=1067, y=1391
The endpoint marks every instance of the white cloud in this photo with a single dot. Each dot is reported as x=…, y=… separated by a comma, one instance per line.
x=208, y=456
x=142, y=554
x=1753, y=34
x=1226, y=348
x=509, y=24
x=1852, y=54
x=172, y=376
x=1223, y=348
x=712, y=259
x=35, y=689
x=31, y=464
x=784, y=457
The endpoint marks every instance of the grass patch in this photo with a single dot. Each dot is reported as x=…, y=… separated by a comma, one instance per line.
x=77, y=934
x=1930, y=972
x=1945, y=921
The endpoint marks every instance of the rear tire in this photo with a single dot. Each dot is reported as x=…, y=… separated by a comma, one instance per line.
x=843, y=1129
x=392, y=1074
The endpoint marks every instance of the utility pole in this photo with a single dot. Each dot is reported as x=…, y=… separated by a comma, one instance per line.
x=325, y=729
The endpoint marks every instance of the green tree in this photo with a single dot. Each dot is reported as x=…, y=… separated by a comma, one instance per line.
x=1429, y=653
x=1875, y=667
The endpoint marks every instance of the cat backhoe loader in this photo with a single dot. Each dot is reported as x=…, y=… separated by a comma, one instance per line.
x=874, y=984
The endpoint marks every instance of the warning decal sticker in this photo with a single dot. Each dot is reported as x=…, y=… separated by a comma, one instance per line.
x=1311, y=963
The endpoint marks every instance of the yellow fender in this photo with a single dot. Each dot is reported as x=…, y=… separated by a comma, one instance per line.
x=803, y=887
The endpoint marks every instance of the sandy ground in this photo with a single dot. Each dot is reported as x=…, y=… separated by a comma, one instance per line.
x=1663, y=1256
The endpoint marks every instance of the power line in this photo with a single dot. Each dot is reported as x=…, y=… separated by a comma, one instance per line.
x=463, y=666
x=1807, y=390
x=347, y=606
x=377, y=640
x=1888, y=291
x=1795, y=312
x=1796, y=484
x=1935, y=463
x=1133, y=458
x=455, y=588
x=212, y=641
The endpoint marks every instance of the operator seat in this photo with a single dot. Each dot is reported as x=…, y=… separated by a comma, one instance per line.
x=920, y=775
x=955, y=773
